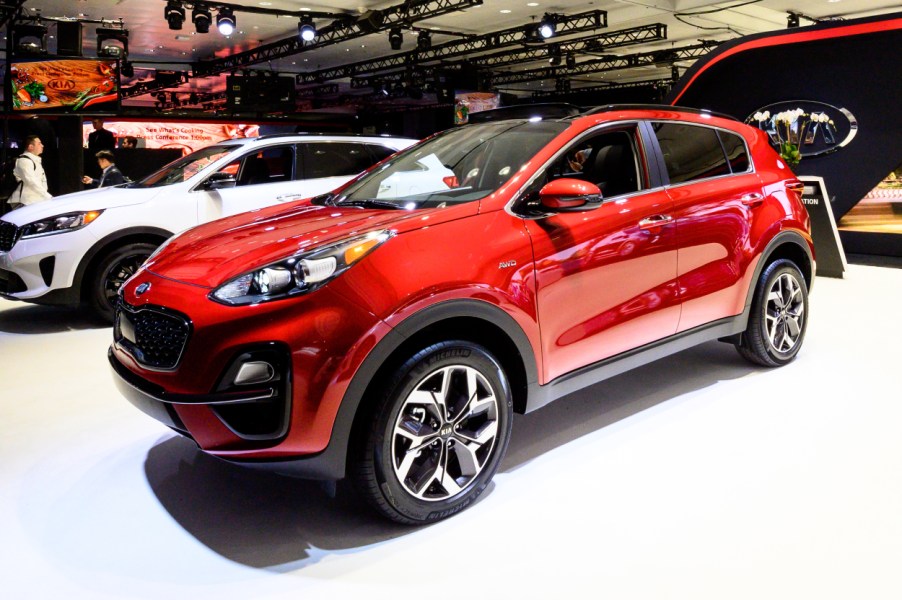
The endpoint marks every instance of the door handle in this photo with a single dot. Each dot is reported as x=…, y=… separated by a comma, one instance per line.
x=655, y=221
x=752, y=200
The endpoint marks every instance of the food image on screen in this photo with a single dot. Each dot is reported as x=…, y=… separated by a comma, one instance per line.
x=66, y=85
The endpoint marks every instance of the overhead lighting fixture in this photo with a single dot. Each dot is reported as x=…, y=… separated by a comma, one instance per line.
x=424, y=41
x=395, y=38
x=546, y=26
x=554, y=55
x=201, y=17
x=225, y=21
x=112, y=42
x=306, y=29
x=174, y=13
x=792, y=20
x=571, y=60
x=30, y=39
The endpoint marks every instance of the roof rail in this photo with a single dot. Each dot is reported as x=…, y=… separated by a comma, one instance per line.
x=270, y=136
x=683, y=109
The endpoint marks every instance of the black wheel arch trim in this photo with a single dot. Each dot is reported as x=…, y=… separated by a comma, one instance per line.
x=331, y=463
x=105, y=242
x=784, y=237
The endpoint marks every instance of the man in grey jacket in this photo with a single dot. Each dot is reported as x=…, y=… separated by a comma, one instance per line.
x=30, y=173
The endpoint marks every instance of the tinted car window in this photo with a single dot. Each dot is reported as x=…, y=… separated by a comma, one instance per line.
x=737, y=155
x=335, y=159
x=690, y=152
x=608, y=160
x=269, y=165
x=380, y=152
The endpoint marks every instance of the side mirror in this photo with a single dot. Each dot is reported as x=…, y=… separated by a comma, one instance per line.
x=570, y=195
x=221, y=180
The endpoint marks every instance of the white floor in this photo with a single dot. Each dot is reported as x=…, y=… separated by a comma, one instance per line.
x=695, y=477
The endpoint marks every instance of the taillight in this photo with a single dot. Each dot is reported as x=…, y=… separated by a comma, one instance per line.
x=451, y=181
x=795, y=186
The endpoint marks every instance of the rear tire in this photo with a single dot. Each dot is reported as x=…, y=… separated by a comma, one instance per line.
x=779, y=316
x=111, y=273
x=437, y=434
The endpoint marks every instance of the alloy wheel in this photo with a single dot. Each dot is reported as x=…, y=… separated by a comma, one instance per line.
x=785, y=313
x=444, y=433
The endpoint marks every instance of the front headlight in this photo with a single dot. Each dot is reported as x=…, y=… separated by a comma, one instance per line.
x=298, y=274
x=60, y=223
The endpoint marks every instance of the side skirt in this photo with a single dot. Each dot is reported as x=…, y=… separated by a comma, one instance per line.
x=541, y=395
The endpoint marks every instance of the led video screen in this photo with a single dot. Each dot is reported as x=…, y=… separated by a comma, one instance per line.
x=65, y=85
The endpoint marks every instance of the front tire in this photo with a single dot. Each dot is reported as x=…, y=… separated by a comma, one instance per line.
x=779, y=317
x=111, y=273
x=437, y=435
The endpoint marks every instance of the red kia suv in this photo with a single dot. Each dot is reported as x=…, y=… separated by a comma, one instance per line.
x=389, y=330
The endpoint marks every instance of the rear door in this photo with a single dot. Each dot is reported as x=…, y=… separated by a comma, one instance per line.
x=715, y=193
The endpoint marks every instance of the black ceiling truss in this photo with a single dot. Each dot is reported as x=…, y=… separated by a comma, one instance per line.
x=661, y=82
x=565, y=25
x=604, y=64
x=593, y=42
x=340, y=30
x=8, y=11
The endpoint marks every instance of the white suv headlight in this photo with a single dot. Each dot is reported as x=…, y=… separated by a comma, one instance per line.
x=298, y=274
x=59, y=223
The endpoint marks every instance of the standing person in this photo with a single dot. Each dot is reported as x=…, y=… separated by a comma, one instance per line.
x=110, y=173
x=100, y=138
x=30, y=172
x=129, y=141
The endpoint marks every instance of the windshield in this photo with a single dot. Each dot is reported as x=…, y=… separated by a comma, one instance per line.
x=461, y=165
x=186, y=167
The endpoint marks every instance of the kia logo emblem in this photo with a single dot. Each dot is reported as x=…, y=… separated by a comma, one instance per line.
x=829, y=128
x=141, y=289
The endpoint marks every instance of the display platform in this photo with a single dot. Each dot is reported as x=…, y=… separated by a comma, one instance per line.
x=697, y=476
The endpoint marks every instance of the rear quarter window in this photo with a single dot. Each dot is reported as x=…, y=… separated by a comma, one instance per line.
x=737, y=154
x=691, y=152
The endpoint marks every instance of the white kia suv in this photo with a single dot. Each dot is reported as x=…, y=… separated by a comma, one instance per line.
x=82, y=247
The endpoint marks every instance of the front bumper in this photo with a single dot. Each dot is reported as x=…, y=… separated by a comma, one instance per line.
x=43, y=269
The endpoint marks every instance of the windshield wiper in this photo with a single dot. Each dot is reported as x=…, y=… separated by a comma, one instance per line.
x=371, y=203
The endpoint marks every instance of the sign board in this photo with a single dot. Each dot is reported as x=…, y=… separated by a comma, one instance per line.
x=831, y=260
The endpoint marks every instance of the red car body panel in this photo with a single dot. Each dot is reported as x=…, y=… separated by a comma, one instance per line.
x=582, y=287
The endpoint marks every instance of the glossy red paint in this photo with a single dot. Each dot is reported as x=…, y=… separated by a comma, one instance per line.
x=579, y=287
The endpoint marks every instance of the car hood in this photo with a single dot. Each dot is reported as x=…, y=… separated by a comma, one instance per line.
x=211, y=254
x=99, y=199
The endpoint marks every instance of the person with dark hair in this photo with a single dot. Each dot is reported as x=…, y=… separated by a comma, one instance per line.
x=129, y=141
x=100, y=138
x=111, y=175
x=30, y=173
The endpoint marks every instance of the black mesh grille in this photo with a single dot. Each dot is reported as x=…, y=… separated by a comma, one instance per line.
x=156, y=337
x=8, y=235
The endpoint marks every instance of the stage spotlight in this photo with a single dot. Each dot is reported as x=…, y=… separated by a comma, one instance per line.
x=571, y=60
x=546, y=26
x=112, y=43
x=792, y=20
x=174, y=13
x=201, y=17
x=225, y=21
x=554, y=55
x=424, y=41
x=395, y=38
x=306, y=29
x=30, y=39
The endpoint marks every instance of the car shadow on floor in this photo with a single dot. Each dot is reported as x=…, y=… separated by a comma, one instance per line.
x=278, y=523
x=16, y=317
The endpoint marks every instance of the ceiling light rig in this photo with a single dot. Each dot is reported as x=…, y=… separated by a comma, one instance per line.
x=225, y=21
x=395, y=38
x=201, y=17
x=306, y=28
x=547, y=26
x=424, y=40
x=174, y=13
